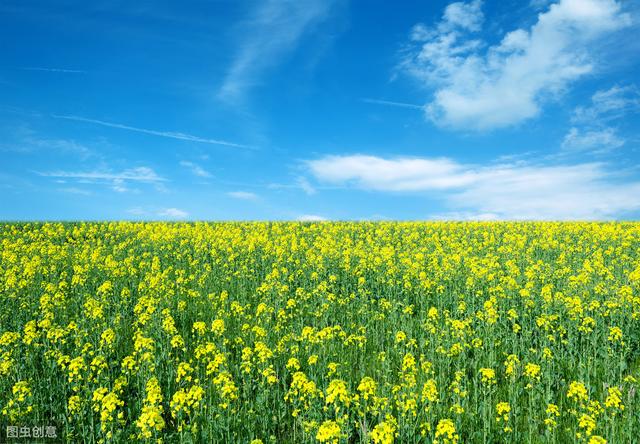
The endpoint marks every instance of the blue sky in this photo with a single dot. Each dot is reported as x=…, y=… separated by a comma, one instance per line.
x=319, y=109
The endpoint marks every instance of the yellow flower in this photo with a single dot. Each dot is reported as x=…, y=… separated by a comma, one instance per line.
x=262, y=352
x=30, y=332
x=614, y=399
x=367, y=387
x=615, y=334
x=8, y=338
x=177, y=341
x=20, y=404
x=301, y=389
x=408, y=363
x=109, y=404
x=108, y=337
x=184, y=372
x=487, y=376
x=552, y=414
x=337, y=391
x=384, y=432
x=587, y=423
x=186, y=401
x=74, y=404
x=218, y=327
x=577, y=391
x=430, y=391
x=150, y=419
x=510, y=365
x=93, y=308
x=503, y=409
x=329, y=431
x=293, y=364
x=270, y=375
x=226, y=387
x=446, y=432
x=199, y=327
x=532, y=371
x=76, y=368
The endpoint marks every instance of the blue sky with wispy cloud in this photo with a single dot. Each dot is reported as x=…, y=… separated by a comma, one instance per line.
x=319, y=109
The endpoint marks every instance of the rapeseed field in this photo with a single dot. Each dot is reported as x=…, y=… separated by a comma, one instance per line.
x=349, y=332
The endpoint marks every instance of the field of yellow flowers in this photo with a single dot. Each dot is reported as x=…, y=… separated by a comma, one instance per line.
x=322, y=332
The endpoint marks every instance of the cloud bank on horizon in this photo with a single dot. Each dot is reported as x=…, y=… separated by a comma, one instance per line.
x=317, y=110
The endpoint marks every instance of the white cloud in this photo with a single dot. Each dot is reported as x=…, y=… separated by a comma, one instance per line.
x=28, y=141
x=401, y=174
x=462, y=15
x=137, y=211
x=173, y=213
x=274, y=30
x=596, y=141
x=117, y=181
x=504, y=191
x=61, y=70
x=481, y=86
x=305, y=186
x=168, y=134
x=119, y=186
x=74, y=190
x=466, y=216
x=591, y=133
x=397, y=104
x=60, y=145
x=139, y=174
x=164, y=213
x=243, y=195
x=301, y=183
x=311, y=218
x=195, y=169
x=539, y=4
x=607, y=105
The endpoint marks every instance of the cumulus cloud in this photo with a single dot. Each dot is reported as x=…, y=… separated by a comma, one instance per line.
x=480, y=86
x=501, y=191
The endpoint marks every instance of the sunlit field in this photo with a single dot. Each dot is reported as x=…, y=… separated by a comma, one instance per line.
x=321, y=332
